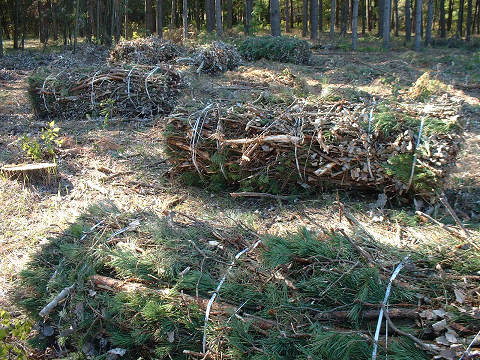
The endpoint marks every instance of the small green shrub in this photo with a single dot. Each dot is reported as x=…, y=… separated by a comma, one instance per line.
x=12, y=334
x=36, y=150
x=282, y=49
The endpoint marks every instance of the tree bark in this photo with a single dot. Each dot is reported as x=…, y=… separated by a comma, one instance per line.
x=40, y=21
x=469, y=20
x=98, y=34
x=428, y=33
x=381, y=20
x=408, y=22
x=210, y=15
x=332, y=18
x=362, y=9
x=53, y=9
x=1, y=39
x=218, y=17
x=418, y=24
x=314, y=19
x=197, y=14
x=173, y=19
x=354, y=25
x=77, y=23
x=292, y=18
x=16, y=15
x=450, y=15
x=442, y=19
x=397, y=26
x=344, y=17
x=305, y=18
x=24, y=24
x=477, y=17
x=368, y=11
x=320, y=15
x=287, y=16
x=386, y=24
x=460, y=18
x=229, y=14
x=149, y=17
x=160, y=18
x=275, y=17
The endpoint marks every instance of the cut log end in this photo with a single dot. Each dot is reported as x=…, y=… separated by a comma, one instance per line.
x=43, y=173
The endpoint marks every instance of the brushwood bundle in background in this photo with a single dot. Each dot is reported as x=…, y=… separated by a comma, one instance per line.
x=144, y=51
x=215, y=57
x=137, y=91
x=284, y=149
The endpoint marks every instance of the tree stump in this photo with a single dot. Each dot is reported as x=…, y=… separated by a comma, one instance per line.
x=43, y=173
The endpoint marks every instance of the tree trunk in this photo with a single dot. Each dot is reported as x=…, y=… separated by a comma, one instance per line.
x=418, y=24
x=368, y=11
x=428, y=33
x=332, y=18
x=24, y=24
x=320, y=15
x=469, y=20
x=344, y=17
x=386, y=25
x=442, y=19
x=460, y=18
x=305, y=18
x=173, y=22
x=197, y=14
x=275, y=17
x=450, y=15
x=1, y=39
x=210, y=14
x=229, y=14
x=397, y=26
x=477, y=17
x=381, y=20
x=77, y=23
x=408, y=22
x=292, y=18
x=354, y=25
x=313, y=19
x=160, y=18
x=40, y=21
x=287, y=16
x=16, y=15
x=98, y=34
x=88, y=23
x=53, y=9
x=218, y=17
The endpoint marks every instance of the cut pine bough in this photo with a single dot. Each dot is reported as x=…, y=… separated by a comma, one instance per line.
x=281, y=150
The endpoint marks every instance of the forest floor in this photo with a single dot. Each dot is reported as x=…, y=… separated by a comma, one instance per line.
x=124, y=162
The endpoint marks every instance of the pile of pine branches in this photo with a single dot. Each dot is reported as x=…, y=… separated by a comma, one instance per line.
x=280, y=149
x=135, y=91
x=216, y=57
x=144, y=51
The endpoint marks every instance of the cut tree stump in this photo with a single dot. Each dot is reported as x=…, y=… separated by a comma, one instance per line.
x=43, y=173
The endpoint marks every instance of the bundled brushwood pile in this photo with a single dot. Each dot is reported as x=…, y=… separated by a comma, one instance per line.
x=144, y=51
x=216, y=57
x=181, y=287
x=139, y=91
x=282, y=49
x=313, y=145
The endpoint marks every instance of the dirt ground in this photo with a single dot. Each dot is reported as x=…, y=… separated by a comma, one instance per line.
x=125, y=162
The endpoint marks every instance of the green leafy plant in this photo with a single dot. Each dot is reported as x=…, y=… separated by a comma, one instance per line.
x=37, y=150
x=106, y=110
x=282, y=49
x=12, y=333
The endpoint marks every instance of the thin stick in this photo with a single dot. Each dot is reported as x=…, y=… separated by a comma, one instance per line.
x=212, y=299
x=146, y=81
x=256, y=194
x=91, y=229
x=469, y=346
x=442, y=225
x=444, y=201
x=358, y=263
x=415, y=155
x=385, y=301
x=63, y=294
x=130, y=226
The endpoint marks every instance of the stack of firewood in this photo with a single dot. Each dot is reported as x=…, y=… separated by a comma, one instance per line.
x=349, y=145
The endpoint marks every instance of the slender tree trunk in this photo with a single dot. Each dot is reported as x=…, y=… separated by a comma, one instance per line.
x=197, y=14
x=24, y=24
x=40, y=21
x=450, y=15
x=1, y=39
x=354, y=25
x=53, y=10
x=320, y=15
x=16, y=15
x=442, y=19
x=313, y=19
x=98, y=21
x=332, y=18
x=418, y=24
x=117, y=21
x=292, y=18
x=77, y=23
x=89, y=23
x=344, y=17
x=428, y=33
x=381, y=20
x=362, y=10
x=368, y=11
x=218, y=17
x=408, y=22
x=397, y=26
x=350, y=15
x=275, y=17
x=229, y=14
x=210, y=14
x=477, y=17
x=337, y=13
x=125, y=21
x=160, y=18
x=305, y=18
x=287, y=16
x=386, y=25
x=173, y=19
x=460, y=18
x=469, y=20
x=185, y=20
x=474, y=23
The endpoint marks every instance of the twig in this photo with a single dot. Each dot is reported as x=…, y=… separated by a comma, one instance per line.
x=429, y=347
x=212, y=299
x=469, y=346
x=419, y=139
x=444, y=201
x=352, y=220
x=146, y=81
x=63, y=294
x=442, y=225
x=362, y=252
x=256, y=194
x=385, y=301
x=358, y=263
x=91, y=229
x=130, y=226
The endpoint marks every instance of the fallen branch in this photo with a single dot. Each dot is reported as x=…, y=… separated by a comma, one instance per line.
x=256, y=194
x=443, y=226
x=63, y=294
x=444, y=201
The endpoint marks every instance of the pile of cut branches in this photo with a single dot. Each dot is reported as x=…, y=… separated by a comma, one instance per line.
x=144, y=51
x=280, y=149
x=161, y=288
x=136, y=91
x=216, y=57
